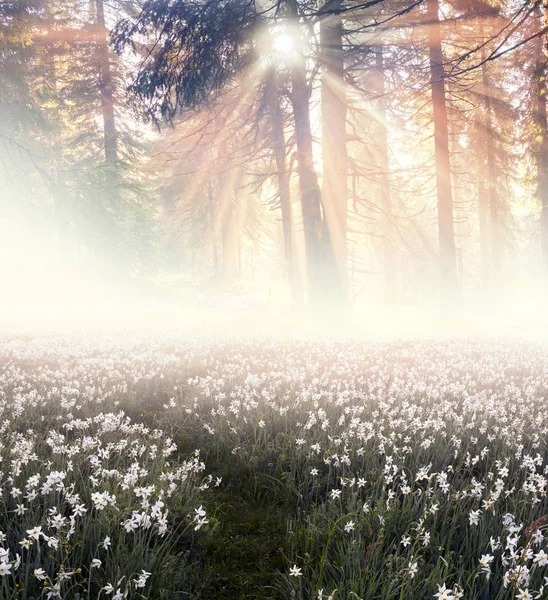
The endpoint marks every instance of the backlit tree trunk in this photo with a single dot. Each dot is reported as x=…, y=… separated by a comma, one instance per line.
x=229, y=239
x=322, y=286
x=106, y=86
x=541, y=136
x=385, y=196
x=334, y=151
x=489, y=144
x=282, y=177
x=483, y=212
x=446, y=230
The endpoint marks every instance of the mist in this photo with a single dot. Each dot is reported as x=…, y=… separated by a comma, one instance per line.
x=326, y=166
x=273, y=289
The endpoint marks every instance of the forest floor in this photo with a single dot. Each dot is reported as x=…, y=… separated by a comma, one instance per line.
x=245, y=546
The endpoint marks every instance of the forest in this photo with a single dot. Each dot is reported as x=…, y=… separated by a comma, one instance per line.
x=273, y=277
x=334, y=153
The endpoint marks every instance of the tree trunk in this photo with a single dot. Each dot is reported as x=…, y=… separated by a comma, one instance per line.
x=111, y=200
x=106, y=86
x=230, y=241
x=61, y=203
x=446, y=229
x=231, y=223
x=483, y=212
x=489, y=138
x=541, y=122
x=456, y=188
x=213, y=229
x=334, y=151
x=308, y=184
x=282, y=176
x=483, y=195
x=322, y=286
x=385, y=196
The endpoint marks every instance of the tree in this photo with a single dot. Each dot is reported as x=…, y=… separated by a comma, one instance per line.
x=60, y=120
x=541, y=132
x=334, y=138
x=273, y=102
x=198, y=51
x=385, y=186
x=448, y=261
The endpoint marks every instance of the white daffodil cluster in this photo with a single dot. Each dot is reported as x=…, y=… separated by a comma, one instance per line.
x=417, y=468
x=86, y=491
x=419, y=453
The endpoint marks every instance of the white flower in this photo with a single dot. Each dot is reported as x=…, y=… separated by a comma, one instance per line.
x=58, y=521
x=141, y=581
x=413, y=568
x=486, y=560
x=40, y=574
x=295, y=571
x=52, y=542
x=35, y=532
x=444, y=593
x=21, y=509
x=541, y=558
x=349, y=526
x=79, y=510
x=5, y=569
x=474, y=517
x=95, y=563
x=200, y=522
x=108, y=589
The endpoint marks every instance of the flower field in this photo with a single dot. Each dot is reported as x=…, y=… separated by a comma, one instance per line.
x=168, y=467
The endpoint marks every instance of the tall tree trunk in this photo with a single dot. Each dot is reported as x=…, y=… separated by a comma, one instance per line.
x=483, y=196
x=213, y=228
x=106, y=86
x=483, y=213
x=446, y=228
x=489, y=140
x=541, y=126
x=230, y=223
x=334, y=151
x=385, y=195
x=113, y=257
x=282, y=176
x=61, y=203
x=322, y=286
x=456, y=189
x=229, y=239
x=308, y=180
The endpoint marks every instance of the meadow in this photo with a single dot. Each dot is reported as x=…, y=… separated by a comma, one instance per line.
x=141, y=466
